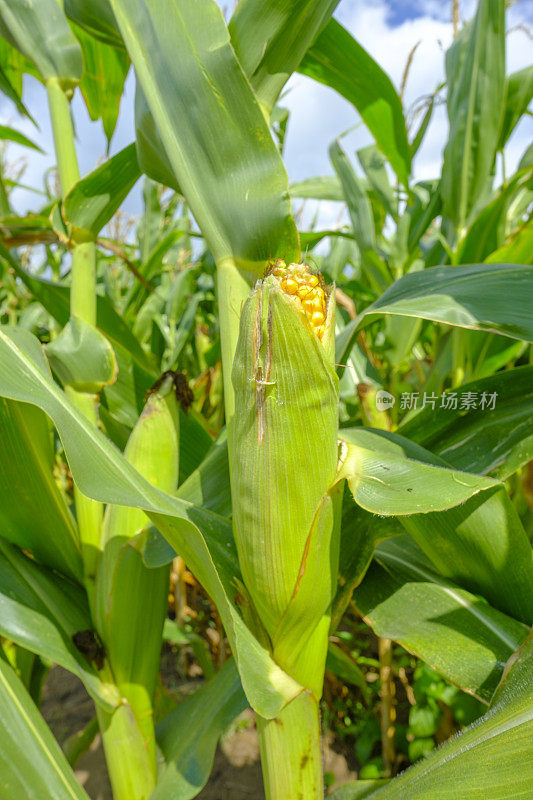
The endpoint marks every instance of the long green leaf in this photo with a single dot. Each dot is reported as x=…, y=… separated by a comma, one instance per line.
x=494, y=437
x=103, y=473
x=209, y=485
x=97, y=18
x=373, y=163
x=519, y=249
x=41, y=611
x=467, y=296
x=222, y=155
x=270, y=38
x=325, y=188
x=41, y=32
x=32, y=765
x=91, y=203
x=482, y=546
x=152, y=155
x=475, y=70
x=10, y=91
x=488, y=230
x=337, y=60
x=386, y=481
x=498, y=564
x=188, y=735
x=357, y=200
x=38, y=519
x=11, y=135
x=490, y=759
x=102, y=83
x=403, y=598
x=358, y=790
x=518, y=96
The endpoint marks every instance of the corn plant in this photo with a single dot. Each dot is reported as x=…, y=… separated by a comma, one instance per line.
x=287, y=514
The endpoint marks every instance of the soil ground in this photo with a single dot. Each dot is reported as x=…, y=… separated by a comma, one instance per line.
x=236, y=773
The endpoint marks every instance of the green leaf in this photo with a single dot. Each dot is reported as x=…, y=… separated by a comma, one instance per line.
x=467, y=641
x=488, y=230
x=385, y=478
x=519, y=249
x=483, y=547
x=32, y=765
x=223, y=156
x=12, y=135
x=482, y=440
x=451, y=539
x=356, y=199
x=475, y=70
x=423, y=206
x=41, y=611
x=103, y=473
x=39, y=520
x=325, y=188
x=82, y=357
x=337, y=60
x=41, y=32
x=373, y=164
x=102, y=83
x=489, y=759
x=151, y=153
x=467, y=296
x=97, y=18
x=422, y=128
x=357, y=790
x=188, y=736
x=270, y=39
x=15, y=96
x=518, y=96
x=92, y=202
x=14, y=64
x=209, y=485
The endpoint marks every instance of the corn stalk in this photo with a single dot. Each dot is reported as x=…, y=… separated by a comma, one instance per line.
x=128, y=600
x=82, y=306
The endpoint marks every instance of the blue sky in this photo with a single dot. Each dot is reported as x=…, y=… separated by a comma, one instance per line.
x=388, y=30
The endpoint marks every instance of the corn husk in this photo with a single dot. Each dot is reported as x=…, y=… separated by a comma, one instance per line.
x=132, y=599
x=283, y=461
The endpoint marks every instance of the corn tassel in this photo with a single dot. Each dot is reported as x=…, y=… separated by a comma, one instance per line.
x=283, y=461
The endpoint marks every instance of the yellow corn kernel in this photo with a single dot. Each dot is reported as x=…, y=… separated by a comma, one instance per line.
x=317, y=318
x=289, y=285
x=297, y=280
x=303, y=291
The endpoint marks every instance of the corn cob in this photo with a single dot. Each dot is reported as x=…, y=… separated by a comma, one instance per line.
x=131, y=600
x=283, y=460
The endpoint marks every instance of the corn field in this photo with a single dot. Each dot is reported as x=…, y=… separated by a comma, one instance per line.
x=323, y=435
